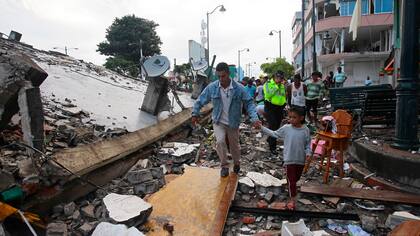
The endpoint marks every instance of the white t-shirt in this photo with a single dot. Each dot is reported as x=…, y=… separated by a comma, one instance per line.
x=298, y=95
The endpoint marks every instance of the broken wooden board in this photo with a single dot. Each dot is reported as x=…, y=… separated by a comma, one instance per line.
x=380, y=195
x=84, y=159
x=196, y=203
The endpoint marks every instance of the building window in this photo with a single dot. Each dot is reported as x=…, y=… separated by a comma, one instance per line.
x=383, y=6
x=347, y=7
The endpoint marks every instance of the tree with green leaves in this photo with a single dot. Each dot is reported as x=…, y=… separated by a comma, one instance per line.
x=183, y=69
x=280, y=64
x=124, y=38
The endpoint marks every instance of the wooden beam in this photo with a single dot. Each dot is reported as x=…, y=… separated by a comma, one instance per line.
x=86, y=158
x=223, y=209
x=380, y=195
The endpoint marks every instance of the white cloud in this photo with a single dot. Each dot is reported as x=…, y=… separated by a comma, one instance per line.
x=82, y=24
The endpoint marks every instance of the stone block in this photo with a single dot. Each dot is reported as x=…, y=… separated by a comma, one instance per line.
x=139, y=176
x=157, y=172
x=146, y=188
x=57, y=229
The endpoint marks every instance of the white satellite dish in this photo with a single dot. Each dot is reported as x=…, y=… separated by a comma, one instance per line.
x=156, y=66
x=199, y=65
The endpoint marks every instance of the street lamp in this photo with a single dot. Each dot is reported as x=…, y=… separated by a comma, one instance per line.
x=279, y=32
x=222, y=9
x=65, y=49
x=239, y=61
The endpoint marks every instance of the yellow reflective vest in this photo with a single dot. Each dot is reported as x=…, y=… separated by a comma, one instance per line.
x=274, y=93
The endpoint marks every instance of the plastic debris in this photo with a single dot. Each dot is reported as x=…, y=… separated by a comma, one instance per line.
x=355, y=230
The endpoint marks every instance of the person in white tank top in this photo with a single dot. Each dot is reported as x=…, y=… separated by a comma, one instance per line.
x=296, y=92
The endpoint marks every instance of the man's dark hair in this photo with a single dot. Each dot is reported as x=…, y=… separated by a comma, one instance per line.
x=317, y=73
x=298, y=110
x=297, y=76
x=222, y=66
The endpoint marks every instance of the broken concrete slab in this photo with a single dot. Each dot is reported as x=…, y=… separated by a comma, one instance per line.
x=265, y=180
x=15, y=71
x=125, y=207
x=108, y=229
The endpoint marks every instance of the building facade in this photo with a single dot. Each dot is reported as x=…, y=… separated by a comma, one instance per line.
x=334, y=45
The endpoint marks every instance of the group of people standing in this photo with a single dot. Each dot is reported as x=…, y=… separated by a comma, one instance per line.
x=269, y=99
x=274, y=96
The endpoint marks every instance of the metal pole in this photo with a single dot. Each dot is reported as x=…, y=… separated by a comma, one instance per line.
x=208, y=40
x=280, y=43
x=239, y=65
x=303, y=39
x=406, y=114
x=314, y=64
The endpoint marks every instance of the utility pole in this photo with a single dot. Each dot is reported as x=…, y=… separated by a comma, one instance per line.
x=303, y=40
x=314, y=64
x=406, y=113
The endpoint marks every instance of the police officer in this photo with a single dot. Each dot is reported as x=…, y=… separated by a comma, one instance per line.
x=275, y=101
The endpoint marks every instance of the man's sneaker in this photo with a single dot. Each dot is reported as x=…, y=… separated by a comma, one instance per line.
x=224, y=172
x=236, y=169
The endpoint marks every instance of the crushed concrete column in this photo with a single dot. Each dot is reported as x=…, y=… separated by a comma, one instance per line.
x=20, y=78
x=32, y=117
x=15, y=71
x=198, y=86
x=156, y=96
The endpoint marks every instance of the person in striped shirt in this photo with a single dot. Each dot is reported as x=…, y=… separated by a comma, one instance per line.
x=315, y=91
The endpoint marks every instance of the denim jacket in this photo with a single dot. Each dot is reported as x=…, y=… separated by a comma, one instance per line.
x=212, y=93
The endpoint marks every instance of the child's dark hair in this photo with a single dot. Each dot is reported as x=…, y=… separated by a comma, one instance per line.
x=300, y=111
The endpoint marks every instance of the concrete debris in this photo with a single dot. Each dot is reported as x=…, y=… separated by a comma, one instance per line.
x=69, y=209
x=125, y=207
x=369, y=223
x=139, y=176
x=297, y=228
x=57, y=229
x=108, y=229
x=399, y=217
x=178, y=149
x=7, y=180
x=265, y=180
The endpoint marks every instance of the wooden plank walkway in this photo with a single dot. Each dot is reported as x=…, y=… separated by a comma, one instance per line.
x=196, y=203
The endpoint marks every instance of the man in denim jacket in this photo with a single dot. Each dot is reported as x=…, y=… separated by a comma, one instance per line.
x=227, y=97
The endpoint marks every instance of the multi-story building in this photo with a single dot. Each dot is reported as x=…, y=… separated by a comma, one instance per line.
x=334, y=44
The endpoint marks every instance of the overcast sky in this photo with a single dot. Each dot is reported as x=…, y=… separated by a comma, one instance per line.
x=82, y=23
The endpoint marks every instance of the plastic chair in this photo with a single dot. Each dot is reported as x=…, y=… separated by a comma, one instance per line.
x=333, y=141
